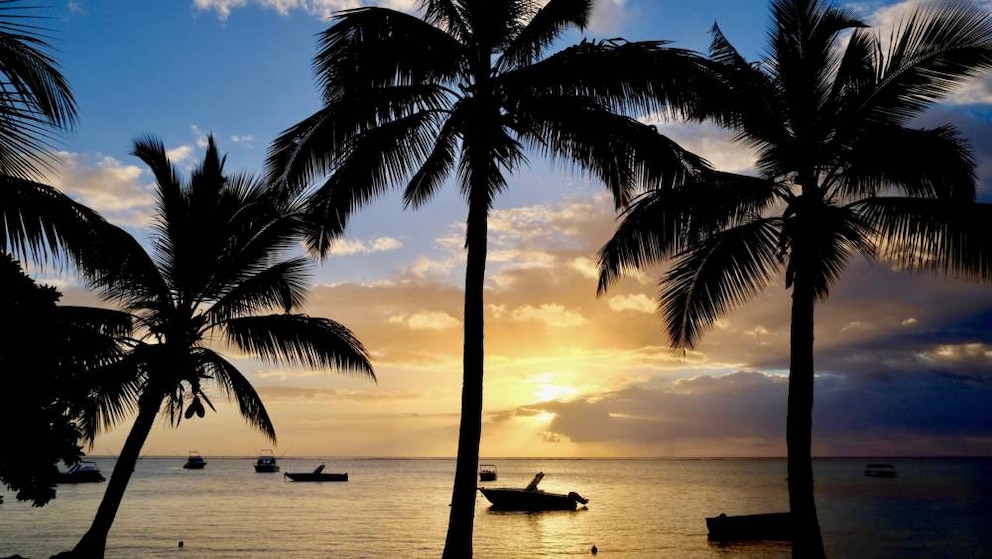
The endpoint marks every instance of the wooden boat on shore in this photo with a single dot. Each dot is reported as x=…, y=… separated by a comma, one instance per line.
x=81, y=472
x=487, y=472
x=194, y=461
x=767, y=526
x=317, y=475
x=531, y=498
x=266, y=463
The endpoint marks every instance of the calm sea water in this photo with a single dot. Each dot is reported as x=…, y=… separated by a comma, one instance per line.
x=936, y=508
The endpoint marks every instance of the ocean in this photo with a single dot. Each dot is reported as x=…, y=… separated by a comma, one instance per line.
x=641, y=508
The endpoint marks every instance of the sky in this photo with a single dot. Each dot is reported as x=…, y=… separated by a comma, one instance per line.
x=904, y=361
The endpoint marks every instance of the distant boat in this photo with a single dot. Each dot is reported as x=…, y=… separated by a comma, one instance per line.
x=316, y=475
x=880, y=470
x=767, y=526
x=266, y=463
x=531, y=498
x=81, y=472
x=487, y=472
x=195, y=461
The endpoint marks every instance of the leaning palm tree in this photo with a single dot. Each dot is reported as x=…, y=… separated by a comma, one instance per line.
x=842, y=172
x=465, y=93
x=220, y=269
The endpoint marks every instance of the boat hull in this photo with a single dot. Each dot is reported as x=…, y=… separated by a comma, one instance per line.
x=81, y=477
x=194, y=465
x=524, y=500
x=767, y=526
x=266, y=468
x=310, y=476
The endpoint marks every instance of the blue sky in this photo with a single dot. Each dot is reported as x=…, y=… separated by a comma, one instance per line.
x=904, y=361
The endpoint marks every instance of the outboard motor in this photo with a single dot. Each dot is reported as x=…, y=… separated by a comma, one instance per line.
x=577, y=498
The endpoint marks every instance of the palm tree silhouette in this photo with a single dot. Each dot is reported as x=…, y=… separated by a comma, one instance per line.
x=218, y=269
x=842, y=172
x=464, y=93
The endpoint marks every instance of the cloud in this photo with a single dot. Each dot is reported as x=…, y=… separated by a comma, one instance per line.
x=107, y=185
x=317, y=8
x=426, y=321
x=246, y=139
x=179, y=154
x=555, y=316
x=343, y=247
x=638, y=302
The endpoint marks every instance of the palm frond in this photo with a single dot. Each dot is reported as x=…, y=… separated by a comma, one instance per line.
x=36, y=103
x=282, y=285
x=300, y=340
x=938, y=48
x=544, y=27
x=942, y=236
x=369, y=48
x=663, y=223
x=631, y=78
x=38, y=221
x=234, y=385
x=438, y=166
x=820, y=240
x=722, y=272
x=923, y=163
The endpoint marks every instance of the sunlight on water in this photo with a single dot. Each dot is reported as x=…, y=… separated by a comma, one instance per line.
x=399, y=508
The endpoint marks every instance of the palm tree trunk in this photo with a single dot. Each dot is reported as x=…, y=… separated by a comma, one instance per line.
x=807, y=542
x=461, y=520
x=93, y=544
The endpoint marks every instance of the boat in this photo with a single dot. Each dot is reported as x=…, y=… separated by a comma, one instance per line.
x=195, y=461
x=880, y=470
x=317, y=475
x=81, y=472
x=531, y=498
x=266, y=463
x=487, y=472
x=766, y=526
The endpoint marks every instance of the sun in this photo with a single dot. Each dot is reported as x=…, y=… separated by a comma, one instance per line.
x=547, y=389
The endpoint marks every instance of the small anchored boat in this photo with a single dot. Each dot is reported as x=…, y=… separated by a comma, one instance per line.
x=487, y=472
x=81, y=472
x=266, y=463
x=767, y=526
x=317, y=475
x=531, y=498
x=194, y=461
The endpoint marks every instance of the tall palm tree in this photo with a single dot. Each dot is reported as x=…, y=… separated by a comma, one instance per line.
x=465, y=93
x=842, y=172
x=219, y=269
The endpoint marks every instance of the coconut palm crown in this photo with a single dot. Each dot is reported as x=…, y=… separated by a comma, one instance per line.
x=464, y=94
x=220, y=271
x=842, y=171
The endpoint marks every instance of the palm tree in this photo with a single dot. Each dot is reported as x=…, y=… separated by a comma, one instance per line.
x=842, y=172
x=219, y=268
x=463, y=94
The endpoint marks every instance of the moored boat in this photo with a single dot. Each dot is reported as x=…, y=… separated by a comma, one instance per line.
x=766, y=526
x=531, y=498
x=487, y=472
x=317, y=475
x=266, y=462
x=81, y=472
x=194, y=461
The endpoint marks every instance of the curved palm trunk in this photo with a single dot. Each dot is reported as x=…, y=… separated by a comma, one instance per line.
x=93, y=544
x=807, y=542
x=461, y=520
